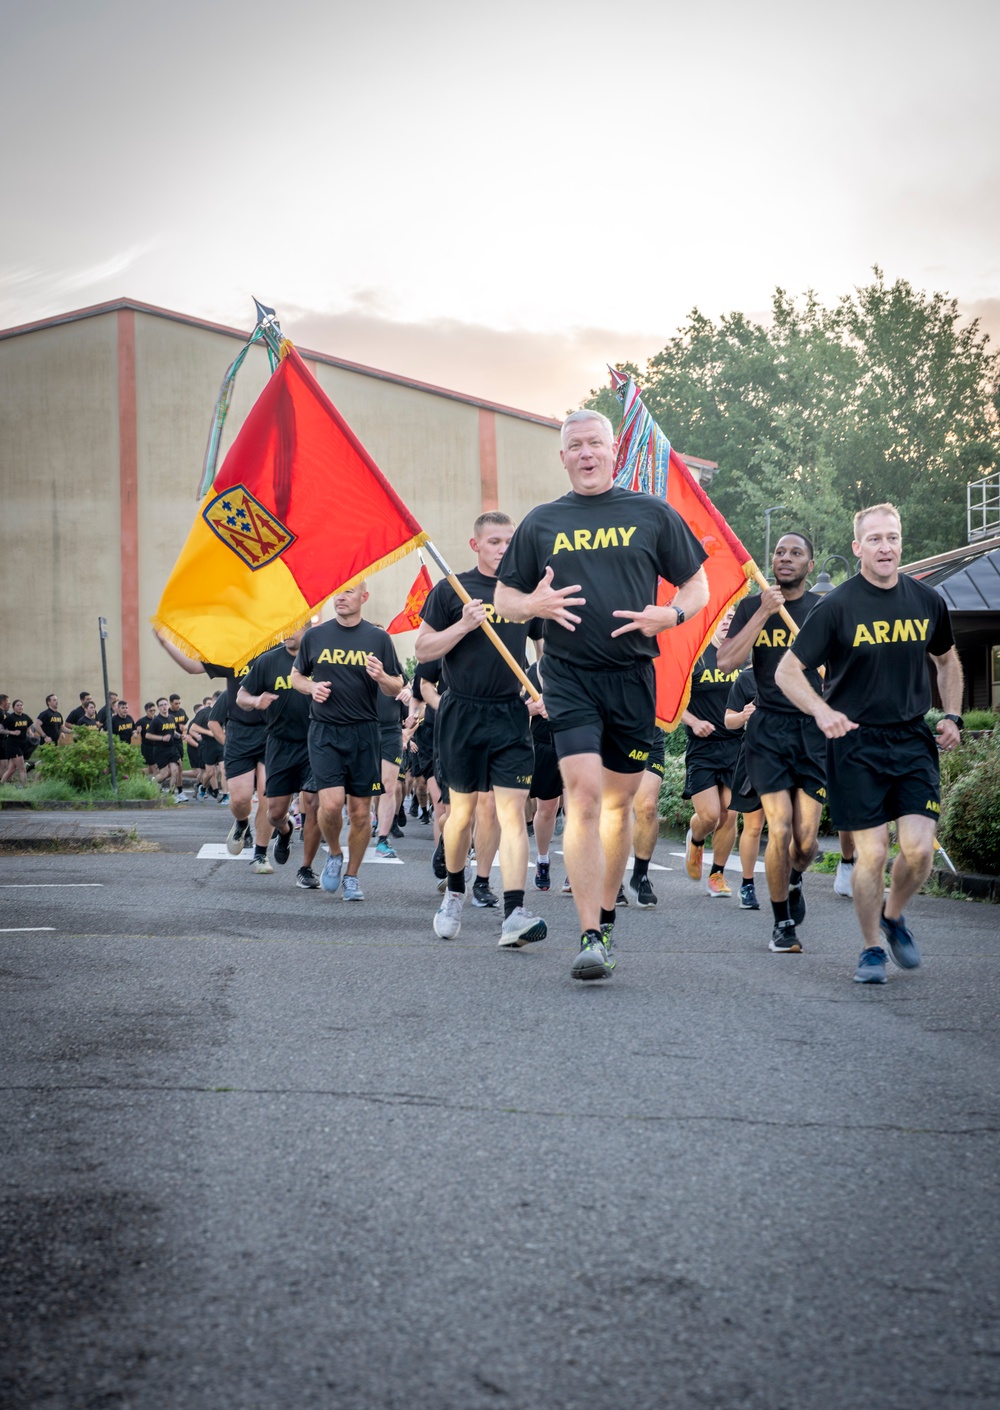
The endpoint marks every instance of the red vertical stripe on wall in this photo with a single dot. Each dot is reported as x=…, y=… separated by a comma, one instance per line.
x=488, y=459
x=128, y=474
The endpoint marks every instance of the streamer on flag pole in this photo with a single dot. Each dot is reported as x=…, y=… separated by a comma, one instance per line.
x=409, y=619
x=647, y=462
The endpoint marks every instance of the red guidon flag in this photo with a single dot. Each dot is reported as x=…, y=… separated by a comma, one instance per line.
x=646, y=461
x=298, y=511
x=409, y=619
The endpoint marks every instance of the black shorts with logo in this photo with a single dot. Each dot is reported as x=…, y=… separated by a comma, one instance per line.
x=287, y=767
x=481, y=743
x=657, y=761
x=744, y=799
x=710, y=763
x=391, y=744
x=246, y=746
x=610, y=713
x=347, y=757
x=879, y=773
x=785, y=751
x=546, y=780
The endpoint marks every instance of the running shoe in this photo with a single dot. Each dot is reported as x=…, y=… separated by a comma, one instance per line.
x=693, y=853
x=329, y=877
x=542, y=879
x=181, y=797
x=260, y=866
x=871, y=966
x=448, y=920
x=902, y=946
x=567, y=890
x=352, y=889
x=748, y=897
x=282, y=845
x=645, y=896
x=237, y=836
x=482, y=896
x=401, y=816
x=425, y=816
x=784, y=941
x=796, y=904
x=438, y=864
x=608, y=939
x=621, y=899
x=592, y=961
x=382, y=849
x=843, y=882
x=306, y=879
x=395, y=831
x=717, y=885
x=414, y=806
x=521, y=928
x=201, y=793
x=223, y=798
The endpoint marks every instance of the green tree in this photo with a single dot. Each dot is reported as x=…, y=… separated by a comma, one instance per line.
x=882, y=397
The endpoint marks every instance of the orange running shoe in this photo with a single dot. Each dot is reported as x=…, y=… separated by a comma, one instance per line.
x=692, y=856
x=717, y=885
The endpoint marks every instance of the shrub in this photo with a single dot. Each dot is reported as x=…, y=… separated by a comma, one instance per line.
x=84, y=764
x=674, y=810
x=981, y=719
x=970, y=826
x=676, y=742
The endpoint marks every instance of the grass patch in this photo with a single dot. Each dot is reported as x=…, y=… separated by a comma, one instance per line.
x=116, y=839
x=56, y=790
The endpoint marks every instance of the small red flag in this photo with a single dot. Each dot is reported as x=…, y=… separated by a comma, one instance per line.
x=409, y=619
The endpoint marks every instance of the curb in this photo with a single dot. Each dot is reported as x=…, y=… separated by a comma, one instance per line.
x=984, y=888
x=105, y=805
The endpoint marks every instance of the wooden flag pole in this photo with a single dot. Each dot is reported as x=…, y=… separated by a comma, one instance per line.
x=485, y=626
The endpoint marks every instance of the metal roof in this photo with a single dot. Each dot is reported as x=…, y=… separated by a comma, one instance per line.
x=968, y=582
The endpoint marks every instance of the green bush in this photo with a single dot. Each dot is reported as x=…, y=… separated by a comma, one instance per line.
x=84, y=765
x=956, y=763
x=674, y=810
x=676, y=742
x=980, y=719
x=970, y=827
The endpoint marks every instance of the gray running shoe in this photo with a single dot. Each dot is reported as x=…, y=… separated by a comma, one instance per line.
x=592, y=961
x=521, y=928
x=448, y=920
x=352, y=889
x=871, y=966
x=237, y=836
x=843, y=882
x=902, y=946
x=482, y=896
x=329, y=877
x=307, y=880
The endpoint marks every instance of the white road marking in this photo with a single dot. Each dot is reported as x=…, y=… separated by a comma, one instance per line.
x=32, y=885
x=219, y=852
x=733, y=864
x=17, y=929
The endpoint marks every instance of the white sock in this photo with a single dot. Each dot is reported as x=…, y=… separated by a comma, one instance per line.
x=541, y=858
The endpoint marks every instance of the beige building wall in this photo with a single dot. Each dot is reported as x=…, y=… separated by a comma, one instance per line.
x=104, y=420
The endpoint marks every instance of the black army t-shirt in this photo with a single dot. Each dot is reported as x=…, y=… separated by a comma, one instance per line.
x=335, y=653
x=18, y=725
x=710, y=687
x=474, y=666
x=122, y=727
x=744, y=689
x=85, y=722
x=51, y=722
x=234, y=679
x=876, y=641
x=770, y=645
x=615, y=545
x=76, y=717
x=180, y=719
x=161, y=731
x=288, y=716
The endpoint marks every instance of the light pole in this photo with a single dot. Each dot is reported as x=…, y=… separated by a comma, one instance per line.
x=824, y=583
x=102, y=624
x=767, y=535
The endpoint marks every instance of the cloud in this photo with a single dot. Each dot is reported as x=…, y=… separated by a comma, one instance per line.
x=34, y=291
x=547, y=373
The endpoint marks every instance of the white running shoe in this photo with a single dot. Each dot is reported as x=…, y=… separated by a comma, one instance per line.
x=522, y=928
x=448, y=918
x=843, y=882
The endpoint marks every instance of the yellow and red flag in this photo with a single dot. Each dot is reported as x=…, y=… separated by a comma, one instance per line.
x=646, y=461
x=409, y=619
x=298, y=511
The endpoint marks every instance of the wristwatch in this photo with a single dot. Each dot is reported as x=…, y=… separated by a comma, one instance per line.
x=680, y=618
x=956, y=720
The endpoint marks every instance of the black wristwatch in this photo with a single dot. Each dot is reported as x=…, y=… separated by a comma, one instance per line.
x=680, y=617
x=956, y=720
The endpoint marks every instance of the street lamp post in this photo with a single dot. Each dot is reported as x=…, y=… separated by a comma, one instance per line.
x=824, y=583
x=102, y=625
x=767, y=535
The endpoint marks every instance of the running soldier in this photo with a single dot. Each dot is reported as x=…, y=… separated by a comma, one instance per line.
x=50, y=722
x=710, y=758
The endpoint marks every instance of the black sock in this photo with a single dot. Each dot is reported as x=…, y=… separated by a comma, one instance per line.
x=848, y=861
x=485, y=881
x=259, y=851
x=780, y=909
x=607, y=917
x=716, y=868
x=748, y=881
x=383, y=837
x=795, y=879
x=511, y=901
x=456, y=881
x=592, y=934
x=640, y=867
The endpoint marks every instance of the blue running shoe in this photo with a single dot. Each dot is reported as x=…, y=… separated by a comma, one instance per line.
x=352, y=889
x=871, y=966
x=382, y=849
x=329, y=877
x=902, y=945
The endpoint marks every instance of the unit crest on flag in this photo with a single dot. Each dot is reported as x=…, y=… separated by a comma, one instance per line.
x=243, y=524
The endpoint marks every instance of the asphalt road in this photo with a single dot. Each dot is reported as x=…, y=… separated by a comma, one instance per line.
x=264, y=1149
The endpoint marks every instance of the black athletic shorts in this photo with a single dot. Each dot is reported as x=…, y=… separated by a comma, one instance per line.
x=177, y=750
x=785, y=751
x=610, y=713
x=657, y=761
x=163, y=756
x=347, y=757
x=710, y=762
x=744, y=799
x=391, y=744
x=877, y=774
x=546, y=780
x=194, y=757
x=210, y=750
x=481, y=743
x=148, y=752
x=287, y=767
x=246, y=746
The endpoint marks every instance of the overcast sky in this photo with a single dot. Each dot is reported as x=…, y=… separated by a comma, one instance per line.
x=498, y=198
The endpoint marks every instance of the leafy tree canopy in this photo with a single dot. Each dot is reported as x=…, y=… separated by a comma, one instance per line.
x=824, y=410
